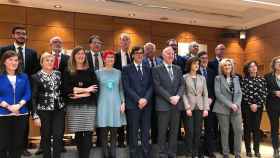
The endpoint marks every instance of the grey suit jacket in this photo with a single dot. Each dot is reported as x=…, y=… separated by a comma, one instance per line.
x=165, y=88
x=224, y=97
x=196, y=94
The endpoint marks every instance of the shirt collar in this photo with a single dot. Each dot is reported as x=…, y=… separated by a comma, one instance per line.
x=93, y=53
x=219, y=59
x=166, y=65
x=59, y=54
x=137, y=64
x=16, y=46
x=123, y=52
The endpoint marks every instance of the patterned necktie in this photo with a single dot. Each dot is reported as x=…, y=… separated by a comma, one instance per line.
x=170, y=72
x=96, y=61
x=204, y=73
x=139, y=71
x=21, y=56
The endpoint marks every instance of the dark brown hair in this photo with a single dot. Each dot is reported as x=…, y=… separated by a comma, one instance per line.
x=5, y=56
x=72, y=64
x=18, y=28
x=190, y=62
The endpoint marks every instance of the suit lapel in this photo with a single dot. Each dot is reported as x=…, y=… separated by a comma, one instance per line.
x=225, y=83
x=164, y=70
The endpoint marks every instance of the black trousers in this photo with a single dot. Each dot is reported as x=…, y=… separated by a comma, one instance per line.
x=52, y=126
x=139, y=119
x=12, y=134
x=168, y=119
x=104, y=131
x=274, y=116
x=84, y=143
x=194, y=128
x=251, y=124
x=211, y=132
x=154, y=126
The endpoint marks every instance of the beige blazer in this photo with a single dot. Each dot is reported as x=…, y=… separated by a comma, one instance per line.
x=196, y=94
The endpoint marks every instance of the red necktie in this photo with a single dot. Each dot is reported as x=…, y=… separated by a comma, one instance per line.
x=56, y=62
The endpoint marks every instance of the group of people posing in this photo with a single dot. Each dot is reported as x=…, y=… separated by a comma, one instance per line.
x=103, y=91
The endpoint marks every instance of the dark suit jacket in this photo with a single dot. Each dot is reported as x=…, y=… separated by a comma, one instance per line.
x=146, y=62
x=31, y=61
x=165, y=88
x=63, y=64
x=118, y=60
x=272, y=101
x=181, y=62
x=214, y=65
x=210, y=82
x=89, y=58
x=135, y=86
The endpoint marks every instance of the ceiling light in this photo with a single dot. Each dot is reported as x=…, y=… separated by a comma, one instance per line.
x=131, y=14
x=263, y=2
x=57, y=6
x=243, y=35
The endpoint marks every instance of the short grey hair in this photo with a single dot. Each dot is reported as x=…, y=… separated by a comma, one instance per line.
x=192, y=44
x=150, y=44
x=55, y=38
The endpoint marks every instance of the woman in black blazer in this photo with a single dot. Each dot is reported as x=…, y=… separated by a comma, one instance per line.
x=254, y=91
x=273, y=102
x=48, y=106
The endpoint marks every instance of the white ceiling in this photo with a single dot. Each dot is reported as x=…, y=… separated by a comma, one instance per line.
x=232, y=14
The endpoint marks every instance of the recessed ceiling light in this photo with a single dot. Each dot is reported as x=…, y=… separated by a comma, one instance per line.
x=263, y=2
x=131, y=14
x=57, y=6
x=163, y=18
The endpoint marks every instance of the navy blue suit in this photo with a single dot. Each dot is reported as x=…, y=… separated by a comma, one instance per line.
x=181, y=62
x=146, y=61
x=214, y=65
x=137, y=86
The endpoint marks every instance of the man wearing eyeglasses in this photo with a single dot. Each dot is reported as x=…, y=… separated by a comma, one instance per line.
x=94, y=55
x=29, y=61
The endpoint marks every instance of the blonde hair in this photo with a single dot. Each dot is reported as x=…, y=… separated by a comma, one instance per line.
x=223, y=63
x=273, y=62
x=44, y=56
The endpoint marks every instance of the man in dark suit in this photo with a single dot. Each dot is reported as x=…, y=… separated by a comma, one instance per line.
x=29, y=60
x=169, y=88
x=138, y=90
x=61, y=58
x=210, y=122
x=94, y=54
x=178, y=60
x=151, y=60
x=219, y=52
x=122, y=58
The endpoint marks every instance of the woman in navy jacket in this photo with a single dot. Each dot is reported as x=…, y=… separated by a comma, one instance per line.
x=14, y=94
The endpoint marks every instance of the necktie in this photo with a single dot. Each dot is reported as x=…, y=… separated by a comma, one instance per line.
x=139, y=71
x=96, y=61
x=56, y=61
x=170, y=72
x=21, y=56
x=204, y=73
x=152, y=63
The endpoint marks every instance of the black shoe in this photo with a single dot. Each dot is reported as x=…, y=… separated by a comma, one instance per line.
x=39, y=151
x=121, y=145
x=64, y=149
x=237, y=156
x=225, y=156
x=258, y=155
x=249, y=154
x=26, y=153
x=211, y=155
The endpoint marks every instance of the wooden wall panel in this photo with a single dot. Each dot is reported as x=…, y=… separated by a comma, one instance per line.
x=82, y=36
x=12, y=14
x=93, y=22
x=44, y=17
